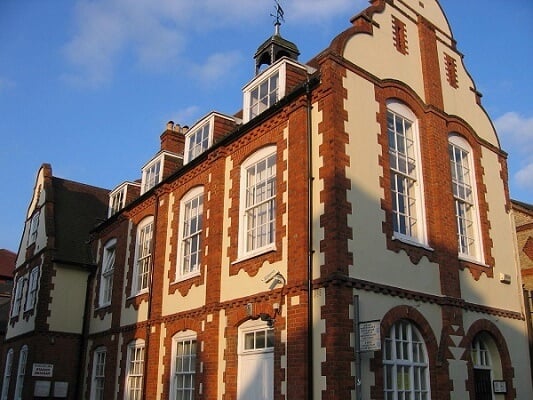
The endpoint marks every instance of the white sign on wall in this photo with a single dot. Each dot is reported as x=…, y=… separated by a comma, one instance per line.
x=43, y=370
x=369, y=336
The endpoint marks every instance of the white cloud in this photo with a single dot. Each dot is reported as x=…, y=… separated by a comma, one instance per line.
x=186, y=115
x=217, y=66
x=516, y=133
x=155, y=33
x=524, y=177
x=320, y=10
x=515, y=129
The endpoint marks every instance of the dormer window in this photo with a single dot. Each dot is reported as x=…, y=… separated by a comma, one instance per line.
x=271, y=85
x=198, y=140
x=207, y=131
x=264, y=95
x=151, y=174
x=117, y=200
x=264, y=91
x=159, y=168
x=122, y=195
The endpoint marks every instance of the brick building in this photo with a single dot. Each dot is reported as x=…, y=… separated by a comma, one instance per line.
x=43, y=342
x=523, y=219
x=7, y=267
x=347, y=234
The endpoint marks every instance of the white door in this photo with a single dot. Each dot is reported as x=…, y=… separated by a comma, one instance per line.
x=256, y=377
x=255, y=372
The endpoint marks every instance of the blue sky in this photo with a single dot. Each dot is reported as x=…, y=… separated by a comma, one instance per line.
x=88, y=86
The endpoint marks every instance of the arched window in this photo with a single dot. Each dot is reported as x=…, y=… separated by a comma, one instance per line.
x=98, y=375
x=183, y=368
x=21, y=372
x=465, y=197
x=143, y=256
x=190, y=233
x=7, y=374
x=135, y=370
x=257, y=229
x=482, y=363
x=408, y=217
x=106, y=276
x=405, y=364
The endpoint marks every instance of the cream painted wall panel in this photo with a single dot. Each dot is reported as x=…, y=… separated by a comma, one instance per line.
x=371, y=262
x=175, y=303
x=319, y=352
x=100, y=325
x=491, y=291
x=130, y=315
x=318, y=187
x=223, y=323
x=21, y=327
x=388, y=63
x=161, y=364
x=461, y=101
x=68, y=300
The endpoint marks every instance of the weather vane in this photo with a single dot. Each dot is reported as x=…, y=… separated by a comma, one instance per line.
x=279, y=14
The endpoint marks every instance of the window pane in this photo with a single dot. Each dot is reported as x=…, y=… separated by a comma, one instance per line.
x=405, y=363
x=260, y=203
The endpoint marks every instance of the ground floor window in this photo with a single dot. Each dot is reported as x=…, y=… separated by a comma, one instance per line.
x=135, y=371
x=405, y=364
x=481, y=361
x=98, y=378
x=183, y=366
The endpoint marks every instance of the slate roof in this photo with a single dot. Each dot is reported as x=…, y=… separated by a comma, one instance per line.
x=7, y=263
x=77, y=209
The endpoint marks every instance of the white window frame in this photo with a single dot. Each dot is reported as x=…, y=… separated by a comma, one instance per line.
x=190, y=234
x=34, y=227
x=152, y=173
x=98, y=374
x=407, y=188
x=143, y=257
x=280, y=69
x=135, y=370
x=21, y=372
x=199, y=139
x=106, y=275
x=465, y=199
x=183, y=367
x=7, y=374
x=256, y=337
x=405, y=355
x=253, y=209
x=19, y=294
x=117, y=200
x=480, y=353
x=33, y=288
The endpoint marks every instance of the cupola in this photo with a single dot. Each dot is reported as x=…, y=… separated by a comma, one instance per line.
x=276, y=46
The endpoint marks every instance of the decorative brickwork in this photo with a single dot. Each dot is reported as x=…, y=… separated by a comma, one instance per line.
x=399, y=35
x=451, y=70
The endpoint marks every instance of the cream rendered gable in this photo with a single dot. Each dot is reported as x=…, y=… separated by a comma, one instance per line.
x=388, y=63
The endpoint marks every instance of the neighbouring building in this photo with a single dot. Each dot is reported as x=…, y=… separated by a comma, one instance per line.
x=7, y=267
x=347, y=235
x=43, y=345
x=523, y=218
